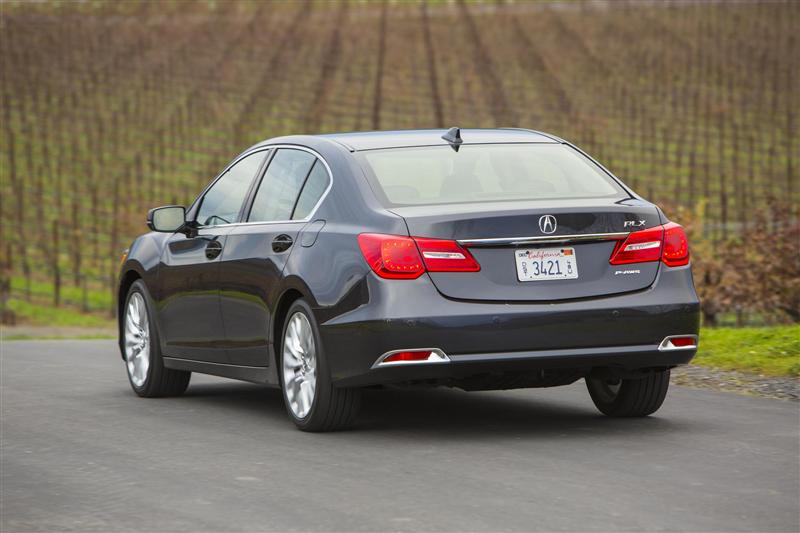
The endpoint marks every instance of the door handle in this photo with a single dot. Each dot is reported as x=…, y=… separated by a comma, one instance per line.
x=281, y=243
x=213, y=249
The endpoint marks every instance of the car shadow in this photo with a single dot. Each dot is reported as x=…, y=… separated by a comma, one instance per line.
x=448, y=413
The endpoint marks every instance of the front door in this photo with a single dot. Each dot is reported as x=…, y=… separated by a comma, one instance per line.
x=189, y=276
x=191, y=323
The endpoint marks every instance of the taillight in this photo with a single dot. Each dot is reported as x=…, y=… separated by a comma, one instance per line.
x=639, y=247
x=676, y=245
x=446, y=256
x=666, y=243
x=398, y=257
x=391, y=256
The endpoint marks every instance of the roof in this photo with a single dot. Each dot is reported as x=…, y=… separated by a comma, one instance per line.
x=371, y=140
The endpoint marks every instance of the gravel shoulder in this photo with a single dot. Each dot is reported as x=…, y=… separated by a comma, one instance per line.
x=700, y=377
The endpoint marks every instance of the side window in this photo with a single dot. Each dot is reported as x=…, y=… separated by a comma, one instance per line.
x=282, y=182
x=312, y=191
x=223, y=201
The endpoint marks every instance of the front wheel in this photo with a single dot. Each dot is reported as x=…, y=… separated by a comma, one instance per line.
x=629, y=397
x=146, y=371
x=312, y=401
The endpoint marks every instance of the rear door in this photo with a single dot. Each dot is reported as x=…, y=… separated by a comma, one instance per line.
x=189, y=275
x=256, y=252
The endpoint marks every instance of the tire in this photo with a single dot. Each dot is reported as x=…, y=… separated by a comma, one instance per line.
x=304, y=370
x=148, y=379
x=629, y=397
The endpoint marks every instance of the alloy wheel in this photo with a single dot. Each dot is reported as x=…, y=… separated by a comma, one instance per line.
x=137, y=340
x=299, y=365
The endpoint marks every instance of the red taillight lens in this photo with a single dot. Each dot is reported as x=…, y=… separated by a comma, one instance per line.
x=398, y=257
x=391, y=256
x=639, y=247
x=446, y=256
x=408, y=356
x=676, y=245
x=667, y=243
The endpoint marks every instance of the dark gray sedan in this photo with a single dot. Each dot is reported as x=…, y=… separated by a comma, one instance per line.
x=478, y=259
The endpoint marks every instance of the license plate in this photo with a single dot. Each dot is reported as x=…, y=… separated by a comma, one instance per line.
x=544, y=264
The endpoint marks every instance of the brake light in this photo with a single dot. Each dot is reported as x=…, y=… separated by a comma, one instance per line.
x=391, y=256
x=398, y=257
x=667, y=243
x=639, y=247
x=446, y=256
x=676, y=245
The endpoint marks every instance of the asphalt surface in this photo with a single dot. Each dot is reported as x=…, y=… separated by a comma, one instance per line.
x=81, y=451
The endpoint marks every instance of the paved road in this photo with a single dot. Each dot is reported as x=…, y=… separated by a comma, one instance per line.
x=81, y=451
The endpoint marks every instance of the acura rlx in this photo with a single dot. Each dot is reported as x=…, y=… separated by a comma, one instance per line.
x=478, y=259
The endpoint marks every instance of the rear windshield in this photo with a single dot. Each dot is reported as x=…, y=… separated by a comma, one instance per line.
x=486, y=173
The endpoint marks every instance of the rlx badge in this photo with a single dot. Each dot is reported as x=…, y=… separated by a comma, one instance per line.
x=547, y=224
x=633, y=223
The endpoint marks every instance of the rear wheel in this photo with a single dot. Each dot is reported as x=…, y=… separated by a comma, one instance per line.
x=312, y=401
x=629, y=397
x=146, y=372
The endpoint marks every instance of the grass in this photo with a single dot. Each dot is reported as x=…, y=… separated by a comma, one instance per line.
x=46, y=315
x=773, y=351
x=96, y=299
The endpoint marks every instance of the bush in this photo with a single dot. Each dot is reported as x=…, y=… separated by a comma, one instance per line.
x=755, y=272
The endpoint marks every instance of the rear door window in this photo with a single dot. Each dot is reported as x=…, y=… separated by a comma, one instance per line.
x=279, y=189
x=315, y=186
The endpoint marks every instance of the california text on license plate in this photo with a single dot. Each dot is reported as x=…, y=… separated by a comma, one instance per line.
x=542, y=264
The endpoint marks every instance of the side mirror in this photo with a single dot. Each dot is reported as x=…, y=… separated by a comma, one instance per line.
x=167, y=219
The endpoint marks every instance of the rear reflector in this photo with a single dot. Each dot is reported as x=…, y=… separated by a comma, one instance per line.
x=666, y=243
x=401, y=357
x=678, y=342
x=399, y=257
x=408, y=356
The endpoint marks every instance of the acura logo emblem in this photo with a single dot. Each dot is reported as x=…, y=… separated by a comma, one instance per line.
x=547, y=224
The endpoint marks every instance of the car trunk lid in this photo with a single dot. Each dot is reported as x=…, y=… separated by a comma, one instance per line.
x=587, y=230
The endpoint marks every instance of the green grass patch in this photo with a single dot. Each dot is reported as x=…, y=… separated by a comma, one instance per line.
x=773, y=351
x=45, y=315
x=96, y=299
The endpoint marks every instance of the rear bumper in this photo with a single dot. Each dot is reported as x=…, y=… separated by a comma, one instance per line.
x=622, y=331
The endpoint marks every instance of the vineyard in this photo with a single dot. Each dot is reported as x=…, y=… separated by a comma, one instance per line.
x=111, y=108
